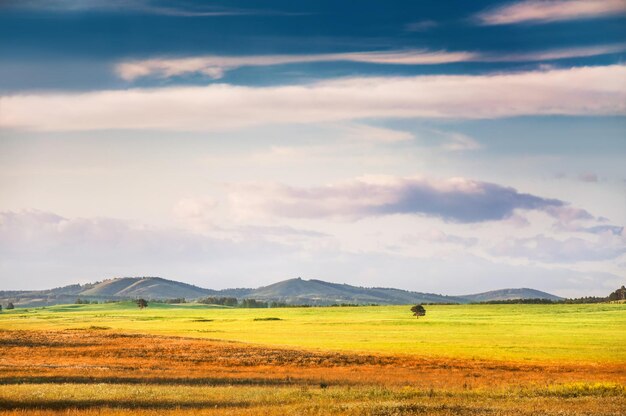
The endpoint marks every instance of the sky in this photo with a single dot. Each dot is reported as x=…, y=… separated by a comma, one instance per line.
x=439, y=146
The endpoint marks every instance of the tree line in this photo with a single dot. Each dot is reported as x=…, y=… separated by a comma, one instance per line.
x=618, y=295
x=243, y=303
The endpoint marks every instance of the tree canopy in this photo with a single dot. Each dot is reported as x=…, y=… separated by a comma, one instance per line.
x=619, y=294
x=418, y=310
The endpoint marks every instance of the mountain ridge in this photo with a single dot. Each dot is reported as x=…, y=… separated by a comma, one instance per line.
x=295, y=291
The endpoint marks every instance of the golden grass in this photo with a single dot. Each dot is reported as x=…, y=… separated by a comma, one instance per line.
x=98, y=399
x=96, y=355
x=107, y=360
x=104, y=372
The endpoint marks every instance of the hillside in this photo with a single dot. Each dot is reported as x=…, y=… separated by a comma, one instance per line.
x=147, y=287
x=111, y=289
x=510, y=294
x=299, y=291
x=292, y=291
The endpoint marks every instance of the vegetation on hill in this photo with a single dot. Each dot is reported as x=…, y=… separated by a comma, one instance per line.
x=292, y=292
x=510, y=294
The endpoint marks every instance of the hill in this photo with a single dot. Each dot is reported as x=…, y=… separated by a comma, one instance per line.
x=146, y=287
x=510, y=294
x=292, y=291
x=318, y=292
x=123, y=288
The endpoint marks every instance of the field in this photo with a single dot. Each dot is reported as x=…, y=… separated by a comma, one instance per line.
x=178, y=359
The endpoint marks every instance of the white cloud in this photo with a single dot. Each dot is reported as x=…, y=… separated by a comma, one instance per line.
x=182, y=9
x=556, y=54
x=456, y=199
x=458, y=142
x=542, y=11
x=362, y=132
x=547, y=249
x=215, y=66
x=577, y=91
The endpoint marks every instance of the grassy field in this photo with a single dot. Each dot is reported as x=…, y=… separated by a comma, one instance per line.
x=115, y=359
x=573, y=333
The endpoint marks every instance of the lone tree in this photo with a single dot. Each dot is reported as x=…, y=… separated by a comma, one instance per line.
x=142, y=303
x=418, y=310
x=10, y=305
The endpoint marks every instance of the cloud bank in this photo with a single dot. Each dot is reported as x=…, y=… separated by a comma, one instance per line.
x=455, y=200
x=543, y=11
x=578, y=91
x=42, y=249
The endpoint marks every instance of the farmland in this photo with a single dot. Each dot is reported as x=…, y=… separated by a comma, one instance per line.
x=459, y=359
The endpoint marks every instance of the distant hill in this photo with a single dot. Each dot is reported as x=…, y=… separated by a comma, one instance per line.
x=318, y=292
x=293, y=291
x=147, y=287
x=510, y=294
x=111, y=289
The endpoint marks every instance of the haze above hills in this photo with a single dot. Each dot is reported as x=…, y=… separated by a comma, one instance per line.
x=292, y=291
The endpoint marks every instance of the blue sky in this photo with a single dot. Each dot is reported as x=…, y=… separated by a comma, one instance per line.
x=450, y=147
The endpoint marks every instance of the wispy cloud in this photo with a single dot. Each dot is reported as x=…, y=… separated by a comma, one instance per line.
x=362, y=132
x=556, y=54
x=584, y=90
x=455, y=200
x=458, y=142
x=436, y=236
x=178, y=9
x=543, y=11
x=215, y=66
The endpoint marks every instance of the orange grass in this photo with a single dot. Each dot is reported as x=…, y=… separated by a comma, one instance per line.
x=95, y=356
x=252, y=379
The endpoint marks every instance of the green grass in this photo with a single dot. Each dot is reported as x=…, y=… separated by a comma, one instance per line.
x=580, y=333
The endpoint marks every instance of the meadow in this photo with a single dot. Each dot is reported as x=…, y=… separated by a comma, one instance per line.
x=172, y=359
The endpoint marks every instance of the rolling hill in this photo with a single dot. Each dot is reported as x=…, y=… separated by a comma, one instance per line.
x=292, y=291
x=510, y=294
x=299, y=291
x=147, y=287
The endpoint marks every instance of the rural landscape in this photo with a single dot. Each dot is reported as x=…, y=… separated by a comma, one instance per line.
x=112, y=357
x=311, y=208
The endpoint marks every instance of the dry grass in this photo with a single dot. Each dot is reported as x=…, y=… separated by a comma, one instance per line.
x=107, y=400
x=107, y=356
x=105, y=372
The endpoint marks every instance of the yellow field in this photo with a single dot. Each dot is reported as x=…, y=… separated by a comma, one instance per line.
x=192, y=359
x=571, y=333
